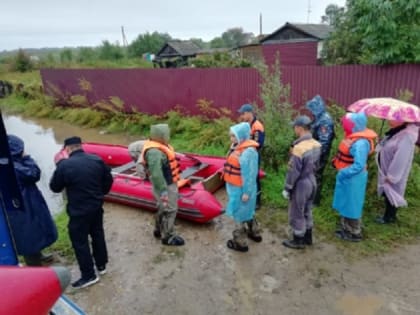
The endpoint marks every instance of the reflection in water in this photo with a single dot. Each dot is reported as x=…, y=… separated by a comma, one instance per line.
x=43, y=138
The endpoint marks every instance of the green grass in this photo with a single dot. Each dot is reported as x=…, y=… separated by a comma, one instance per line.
x=62, y=246
x=30, y=78
x=195, y=134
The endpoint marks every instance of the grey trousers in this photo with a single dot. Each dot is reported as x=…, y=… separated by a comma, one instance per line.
x=300, y=207
x=165, y=216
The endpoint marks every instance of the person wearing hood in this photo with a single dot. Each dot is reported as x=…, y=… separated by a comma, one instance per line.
x=134, y=149
x=163, y=171
x=86, y=179
x=33, y=229
x=247, y=114
x=239, y=173
x=322, y=128
x=352, y=176
x=300, y=185
x=394, y=157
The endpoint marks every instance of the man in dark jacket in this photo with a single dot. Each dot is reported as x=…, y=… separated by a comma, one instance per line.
x=322, y=128
x=86, y=179
x=33, y=229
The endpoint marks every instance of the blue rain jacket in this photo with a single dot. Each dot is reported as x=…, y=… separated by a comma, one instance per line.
x=237, y=209
x=323, y=125
x=33, y=229
x=350, y=185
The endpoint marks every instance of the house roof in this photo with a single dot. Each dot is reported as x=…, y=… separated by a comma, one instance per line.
x=178, y=47
x=321, y=31
x=317, y=31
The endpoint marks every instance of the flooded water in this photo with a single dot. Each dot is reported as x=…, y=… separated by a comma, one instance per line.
x=43, y=138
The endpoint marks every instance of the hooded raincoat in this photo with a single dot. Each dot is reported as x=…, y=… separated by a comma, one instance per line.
x=34, y=228
x=394, y=157
x=350, y=185
x=237, y=209
x=322, y=126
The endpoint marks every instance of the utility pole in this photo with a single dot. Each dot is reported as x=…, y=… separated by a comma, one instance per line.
x=309, y=11
x=260, y=24
x=124, y=39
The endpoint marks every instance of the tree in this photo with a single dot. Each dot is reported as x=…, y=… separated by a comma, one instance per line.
x=147, y=43
x=200, y=43
x=22, y=62
x=217, y=42
x=110, y=51
x=86, y=54
x=66, y=55
x=236, y=36
x=376, y=32
x=333, y=15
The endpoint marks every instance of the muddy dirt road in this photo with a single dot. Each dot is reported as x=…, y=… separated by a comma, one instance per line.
x=204, y=277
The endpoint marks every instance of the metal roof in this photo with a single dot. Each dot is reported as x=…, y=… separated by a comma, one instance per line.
x=182, y=48
x=317, y=31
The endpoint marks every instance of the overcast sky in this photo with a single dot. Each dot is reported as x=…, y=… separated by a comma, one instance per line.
x=59, y=23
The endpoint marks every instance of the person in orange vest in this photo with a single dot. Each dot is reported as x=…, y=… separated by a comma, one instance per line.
x=239, y=173
x=351, y=179
x=163, y=170
x=300, y=184
x=257, y=134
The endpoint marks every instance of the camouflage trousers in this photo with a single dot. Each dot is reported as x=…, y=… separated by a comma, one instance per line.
x=242, y=229
x=353, y=226
x=166, y=214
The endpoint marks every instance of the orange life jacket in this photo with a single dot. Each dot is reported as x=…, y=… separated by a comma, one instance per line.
x=232, y=169
x=343, y=158
x=169, y=152
x=256, y=126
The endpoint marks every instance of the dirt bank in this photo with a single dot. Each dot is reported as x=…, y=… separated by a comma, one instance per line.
x=204, y=277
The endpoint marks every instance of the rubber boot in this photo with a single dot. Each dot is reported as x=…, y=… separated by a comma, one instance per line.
x=298, y=242
x=308, y=237
x=175, y=240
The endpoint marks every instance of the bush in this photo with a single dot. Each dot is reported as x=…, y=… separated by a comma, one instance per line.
x=22, y=62
x=219, y=60
x=276, y=115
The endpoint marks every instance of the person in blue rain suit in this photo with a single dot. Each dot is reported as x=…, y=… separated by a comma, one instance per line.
x=322, y=128
x=351, y=179
x=34, y=228
x=239, y=173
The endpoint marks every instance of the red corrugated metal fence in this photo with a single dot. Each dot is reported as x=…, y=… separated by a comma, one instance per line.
x=156, y=91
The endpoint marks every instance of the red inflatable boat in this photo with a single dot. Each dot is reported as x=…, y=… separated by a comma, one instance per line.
x=200, y=178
